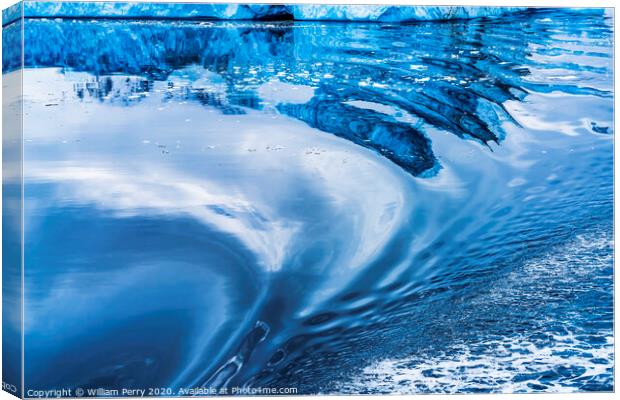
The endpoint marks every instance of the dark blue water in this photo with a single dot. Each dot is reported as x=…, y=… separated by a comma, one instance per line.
x=329, y=207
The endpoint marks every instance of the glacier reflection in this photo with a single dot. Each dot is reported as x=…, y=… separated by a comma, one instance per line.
x=287, y=204
x=456, y=78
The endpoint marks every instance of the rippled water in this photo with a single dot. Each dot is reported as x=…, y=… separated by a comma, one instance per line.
x=332, y=207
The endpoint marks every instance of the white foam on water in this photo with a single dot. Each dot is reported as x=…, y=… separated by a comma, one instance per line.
x=561, y=363
x=461, y=370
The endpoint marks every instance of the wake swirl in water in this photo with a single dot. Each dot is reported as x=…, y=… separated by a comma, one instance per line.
x=318, y=201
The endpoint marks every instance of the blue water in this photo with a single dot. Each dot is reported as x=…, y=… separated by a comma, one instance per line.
x=329, y=207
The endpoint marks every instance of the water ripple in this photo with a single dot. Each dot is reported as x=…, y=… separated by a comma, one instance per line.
x=325, y=205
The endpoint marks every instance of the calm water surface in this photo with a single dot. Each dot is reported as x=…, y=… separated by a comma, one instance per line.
x=333, y=207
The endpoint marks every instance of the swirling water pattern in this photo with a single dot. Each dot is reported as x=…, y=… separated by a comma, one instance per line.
x=334, y=207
